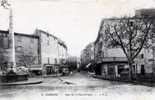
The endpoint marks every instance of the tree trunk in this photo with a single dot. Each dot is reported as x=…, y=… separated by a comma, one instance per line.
x=130, y=72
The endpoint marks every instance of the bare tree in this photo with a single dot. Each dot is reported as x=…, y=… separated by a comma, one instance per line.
x=131, y=35
x=4, y=3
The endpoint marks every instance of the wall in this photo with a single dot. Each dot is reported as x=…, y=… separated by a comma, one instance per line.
x=26, y=48
x=51, y=50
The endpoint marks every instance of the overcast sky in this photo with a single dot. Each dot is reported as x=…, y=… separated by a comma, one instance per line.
x=74, y=21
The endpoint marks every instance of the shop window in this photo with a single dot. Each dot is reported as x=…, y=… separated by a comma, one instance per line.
x=111, y=70
x=123, y=70
x=120, y=69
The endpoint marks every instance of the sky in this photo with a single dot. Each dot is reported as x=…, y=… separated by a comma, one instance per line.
x=74, y=21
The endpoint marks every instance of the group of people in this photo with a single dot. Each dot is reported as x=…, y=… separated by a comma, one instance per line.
x=7, y=67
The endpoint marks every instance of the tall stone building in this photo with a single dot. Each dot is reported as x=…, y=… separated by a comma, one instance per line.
x=39, y=51
x=52, y=50
x=26, y=49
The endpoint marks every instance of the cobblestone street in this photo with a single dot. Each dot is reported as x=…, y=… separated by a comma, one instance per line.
x=78, y=84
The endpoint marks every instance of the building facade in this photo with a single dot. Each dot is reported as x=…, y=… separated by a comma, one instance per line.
x=53, y=51
x=112, y=61
x=149, y=13
x=26, y=49
x=39, y=52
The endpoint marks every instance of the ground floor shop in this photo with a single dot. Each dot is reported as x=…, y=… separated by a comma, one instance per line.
x=112, y=70
x=118, y=68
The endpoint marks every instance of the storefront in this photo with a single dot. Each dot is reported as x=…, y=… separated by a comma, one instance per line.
x=112, y=68
x=51, y=69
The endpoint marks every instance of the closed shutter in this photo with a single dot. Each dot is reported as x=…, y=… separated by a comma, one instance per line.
x=1, y=42
x=5, y=43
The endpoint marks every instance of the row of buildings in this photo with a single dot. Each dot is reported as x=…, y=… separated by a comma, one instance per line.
x=39, y=52
x=87, y=55
x=111, y=62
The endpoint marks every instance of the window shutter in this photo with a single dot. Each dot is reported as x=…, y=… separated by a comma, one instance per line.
x=5, y=43
x=1, y=42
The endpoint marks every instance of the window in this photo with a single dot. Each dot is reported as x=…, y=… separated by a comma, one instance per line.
x=19, y=39
x=1, y=41
x=48, y=42
x=48, y=34
x=121, y=68
x=19, y=48
x=55, y=61
x=142, y=56
x=32, y=40
x=6, y=42
x=31, y=46
x=48, y=59
x=111, y=70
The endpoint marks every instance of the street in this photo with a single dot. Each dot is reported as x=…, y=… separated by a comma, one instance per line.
x=77, y=84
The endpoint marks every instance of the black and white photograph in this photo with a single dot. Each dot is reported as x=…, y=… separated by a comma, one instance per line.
x=77, y=49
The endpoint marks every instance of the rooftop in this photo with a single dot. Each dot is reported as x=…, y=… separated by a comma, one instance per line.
x=58, y=39
x=22, y=34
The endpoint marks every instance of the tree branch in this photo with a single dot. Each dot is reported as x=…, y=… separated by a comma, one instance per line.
x=144, y=39
x=121, y=42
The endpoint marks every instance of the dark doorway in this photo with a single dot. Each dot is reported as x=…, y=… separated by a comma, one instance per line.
x=142, y=70
x=98, y=69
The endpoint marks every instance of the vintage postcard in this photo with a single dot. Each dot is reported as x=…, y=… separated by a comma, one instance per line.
x=77, y=49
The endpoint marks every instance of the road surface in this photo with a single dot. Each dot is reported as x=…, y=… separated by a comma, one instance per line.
x=78, y=85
